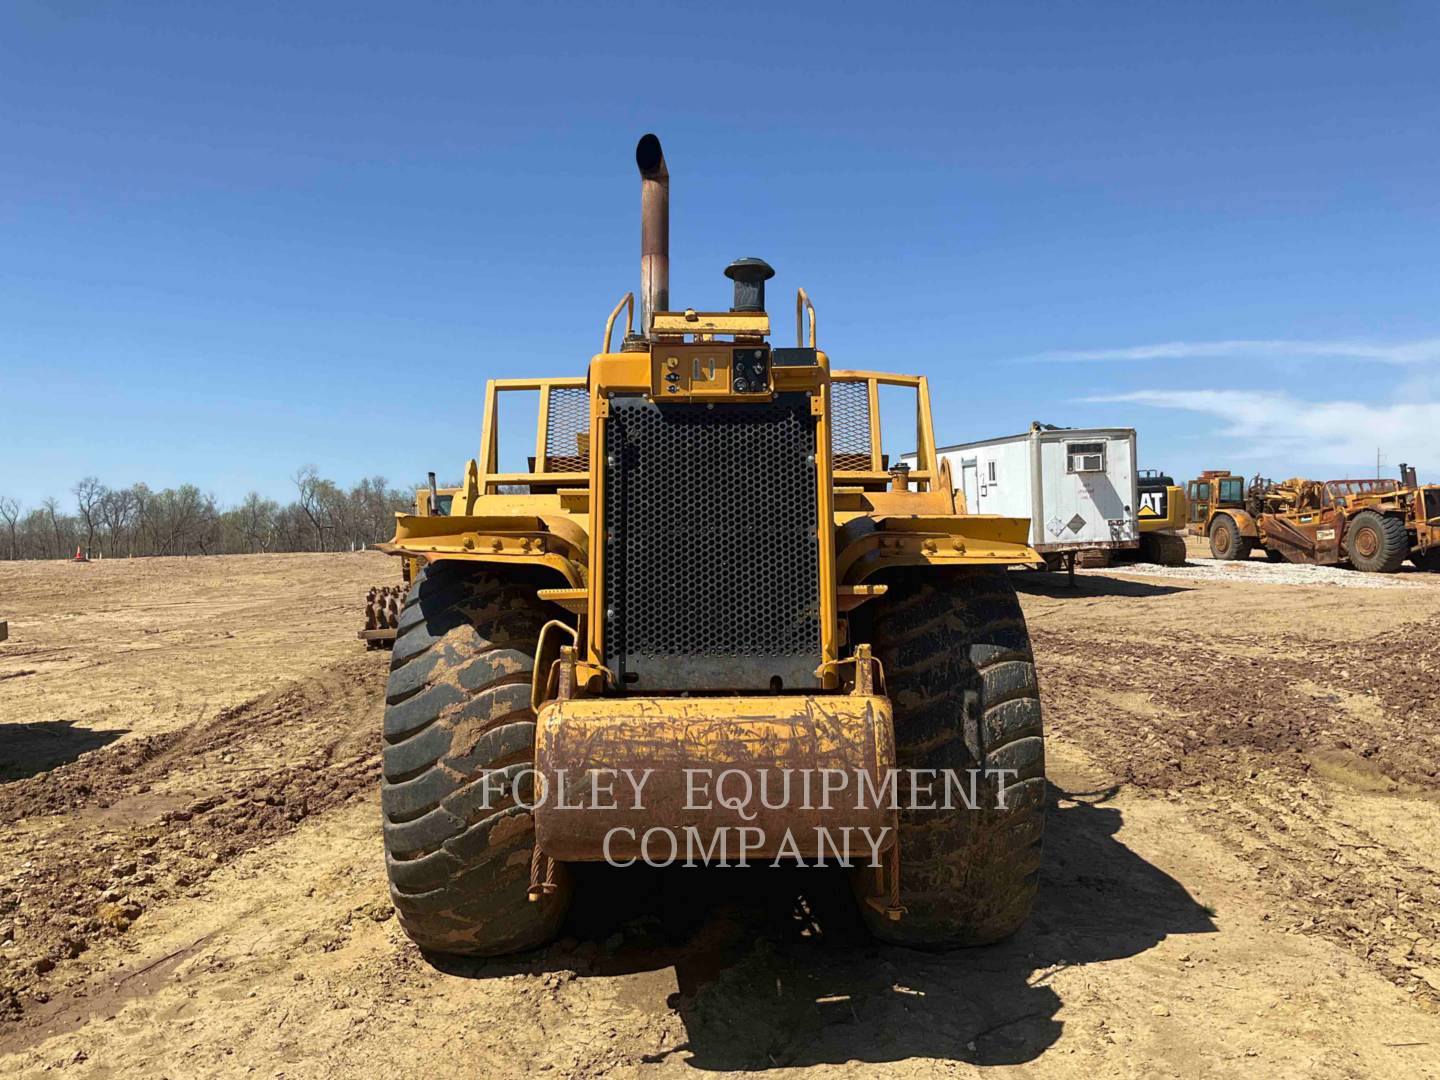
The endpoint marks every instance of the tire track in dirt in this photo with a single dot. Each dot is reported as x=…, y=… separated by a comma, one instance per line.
x=116, y=834
x=1255, y=747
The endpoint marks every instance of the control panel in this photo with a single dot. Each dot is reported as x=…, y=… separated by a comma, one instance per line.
x=710, y=370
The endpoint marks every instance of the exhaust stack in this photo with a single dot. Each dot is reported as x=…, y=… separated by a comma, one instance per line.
x=654, y=230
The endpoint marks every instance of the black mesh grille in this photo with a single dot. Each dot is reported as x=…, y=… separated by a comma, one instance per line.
x=712, y=565
x=850, y=426
x=567, y=430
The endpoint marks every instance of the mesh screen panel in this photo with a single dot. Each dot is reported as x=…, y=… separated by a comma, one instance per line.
x=712, y=564
x=567, y=430
x=850, y=426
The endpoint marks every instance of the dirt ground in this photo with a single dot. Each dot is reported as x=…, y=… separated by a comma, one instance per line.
x=1242, y=876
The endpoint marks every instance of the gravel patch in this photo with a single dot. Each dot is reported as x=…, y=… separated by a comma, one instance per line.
x=1256, y=572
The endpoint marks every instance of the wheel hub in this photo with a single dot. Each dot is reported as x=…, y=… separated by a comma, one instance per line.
x=1366, y=542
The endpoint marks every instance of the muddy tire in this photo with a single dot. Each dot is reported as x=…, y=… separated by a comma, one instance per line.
x=458, y=721
x=961, y=676
x=1226, y=541
x=1162, y=549
x=1376, y=543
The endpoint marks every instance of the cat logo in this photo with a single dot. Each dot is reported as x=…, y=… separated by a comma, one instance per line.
x=1153, y=504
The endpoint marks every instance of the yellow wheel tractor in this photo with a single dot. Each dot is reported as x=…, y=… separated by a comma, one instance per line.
x=1373, y=525
x=662, y=624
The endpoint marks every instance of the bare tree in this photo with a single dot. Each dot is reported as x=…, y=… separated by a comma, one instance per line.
x=10, y=514
x=257, y=522
x=312, y=492
x=52, y=511
x=88, y=494
x=117, y=512
x=184, y=520
x=375, y=503
x=144, y=528
x=135, y=520
x=291, y=529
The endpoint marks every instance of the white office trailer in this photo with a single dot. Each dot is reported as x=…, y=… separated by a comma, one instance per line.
x=1078, y=486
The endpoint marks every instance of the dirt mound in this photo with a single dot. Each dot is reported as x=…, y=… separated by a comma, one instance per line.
x=130, y=826
x=1219, y=706
x=1257, y=743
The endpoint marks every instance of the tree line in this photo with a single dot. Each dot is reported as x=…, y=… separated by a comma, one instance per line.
x=133, y=521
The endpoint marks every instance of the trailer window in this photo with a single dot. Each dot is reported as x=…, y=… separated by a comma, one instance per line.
x=1085, y=457
x=992, y=472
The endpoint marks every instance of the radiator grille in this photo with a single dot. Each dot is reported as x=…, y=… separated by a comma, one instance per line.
x=712, y=563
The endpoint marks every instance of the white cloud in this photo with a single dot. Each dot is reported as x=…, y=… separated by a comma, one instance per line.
x=1276, y=426
x=1424, y=351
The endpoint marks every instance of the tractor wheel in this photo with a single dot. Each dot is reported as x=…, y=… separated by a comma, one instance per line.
x=960, y=674
x=1376, y=543
x=1226, y=542
x=458, y=721
x=1428, y=560
x=1162, y=548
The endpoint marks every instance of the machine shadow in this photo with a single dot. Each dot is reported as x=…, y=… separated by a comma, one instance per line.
x=781, y=955
x=28, y=749
x=1054, y=585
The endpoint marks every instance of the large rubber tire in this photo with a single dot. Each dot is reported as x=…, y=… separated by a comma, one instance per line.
x=458, y=709
x=1162, y=548
x=1376, y=543
x=961, y=677
x=1226, y=541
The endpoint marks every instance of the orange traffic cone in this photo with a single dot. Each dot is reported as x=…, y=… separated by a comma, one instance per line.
x=79, y=555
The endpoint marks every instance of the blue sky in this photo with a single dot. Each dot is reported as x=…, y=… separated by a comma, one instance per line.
x=238, y=238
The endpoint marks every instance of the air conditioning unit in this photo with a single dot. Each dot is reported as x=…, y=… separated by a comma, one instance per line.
x=1085, y=457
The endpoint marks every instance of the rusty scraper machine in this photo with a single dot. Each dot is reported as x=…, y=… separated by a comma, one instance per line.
x=707, y=567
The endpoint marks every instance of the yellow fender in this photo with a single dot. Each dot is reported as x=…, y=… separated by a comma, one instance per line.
x=1243, y=521
x=867, y=545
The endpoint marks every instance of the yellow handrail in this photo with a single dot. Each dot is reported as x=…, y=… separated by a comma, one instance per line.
x=626, y=301
x=802, y=301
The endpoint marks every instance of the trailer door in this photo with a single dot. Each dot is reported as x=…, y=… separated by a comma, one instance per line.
x=970, y=483
x=1089, y=481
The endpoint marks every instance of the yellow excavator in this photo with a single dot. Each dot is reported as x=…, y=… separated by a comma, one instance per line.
x=1162, y=516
